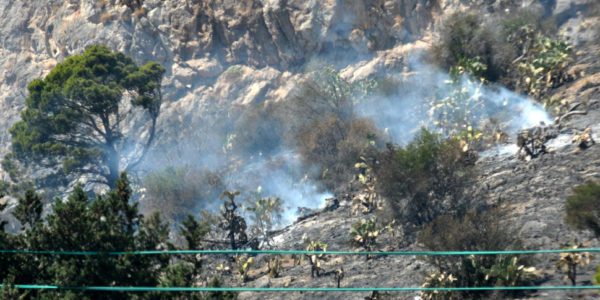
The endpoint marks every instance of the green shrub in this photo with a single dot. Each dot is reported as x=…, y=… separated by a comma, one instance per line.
x=265, y=214
x=475, y=232
x=424, y=179
x=108, y=223
x=583, y=208
x=179, y=275
x=365, y=233
x=545, y=67
x=466, y=36
x=244, y=263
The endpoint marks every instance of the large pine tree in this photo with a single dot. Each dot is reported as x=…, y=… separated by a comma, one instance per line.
x=74, y=117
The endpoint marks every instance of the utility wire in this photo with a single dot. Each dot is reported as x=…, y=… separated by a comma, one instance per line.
x=295, y=252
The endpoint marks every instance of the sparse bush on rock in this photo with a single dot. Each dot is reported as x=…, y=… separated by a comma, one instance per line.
x=583, y=207
x=475, y=232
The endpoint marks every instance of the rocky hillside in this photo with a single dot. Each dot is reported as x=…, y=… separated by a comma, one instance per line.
x=235, y=54
x=238, y=53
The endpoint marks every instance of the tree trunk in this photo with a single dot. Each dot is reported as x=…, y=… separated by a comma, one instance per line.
x=112, y=160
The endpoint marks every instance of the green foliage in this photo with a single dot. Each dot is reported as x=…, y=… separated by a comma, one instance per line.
x=265, y=214
x=10, y=166
x=244, y=263
x=9, y=292
x=216, y=282
x=193, y=232
x=179, y=275
x=474, y=232
x=109, y=223
x=597, y=275
x=367, y=200
x=29, y=209
x=517, y=50
x=315, y=259
x=424, y=179
x=439, y=280
x=583, y=207
x=73, y=116
x=465, y=39
x=183, y=275
x=545, y=66
x=365, y=233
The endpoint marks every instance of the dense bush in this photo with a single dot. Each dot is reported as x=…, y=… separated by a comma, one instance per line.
x=424, y=179
x=583, y=207
x=323, y=126
x=464, y=36
x=474, y=232
x=335, y=146
x=177, y=191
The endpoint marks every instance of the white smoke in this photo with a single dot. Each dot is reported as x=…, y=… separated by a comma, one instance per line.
x=410, y=107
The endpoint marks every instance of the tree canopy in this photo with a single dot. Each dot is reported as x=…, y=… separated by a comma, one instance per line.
x=74, y=117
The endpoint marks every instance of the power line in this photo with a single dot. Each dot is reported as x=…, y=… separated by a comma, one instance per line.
x=296, y=252
x=298, y=289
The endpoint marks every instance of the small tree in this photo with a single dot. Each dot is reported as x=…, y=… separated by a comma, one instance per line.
x=266, y=213
x=29, y=209
x=365, y=233
x=193, y=232
x=232, y=222
x=75, y=116
x=569, y=261
x=244, y=263
x=315, y=259
x=108, y=223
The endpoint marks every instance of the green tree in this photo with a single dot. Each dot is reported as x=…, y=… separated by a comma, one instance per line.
x=29, y=209
x=108, y=223
x=74, y=117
